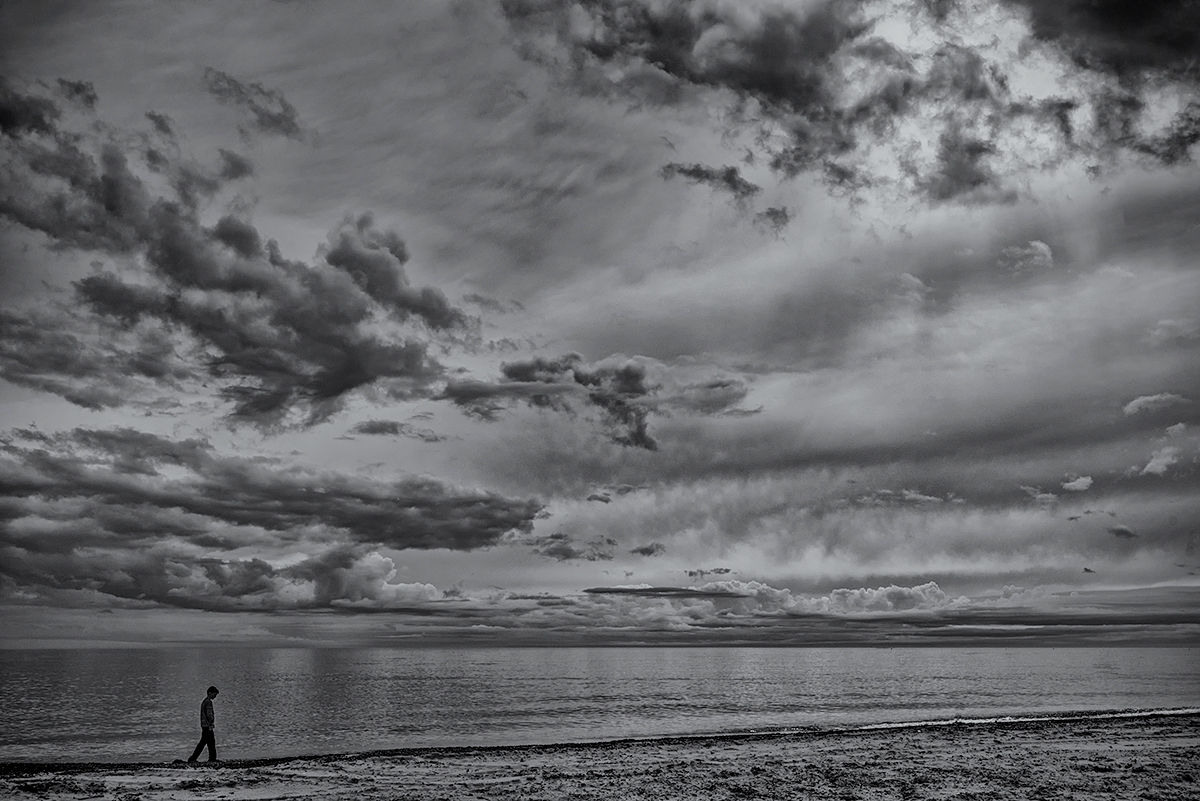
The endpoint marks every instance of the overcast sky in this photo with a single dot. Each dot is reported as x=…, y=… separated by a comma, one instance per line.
x=517, y=321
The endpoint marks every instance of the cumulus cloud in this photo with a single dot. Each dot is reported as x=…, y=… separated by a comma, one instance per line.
x=1123, y=532
x=270, y=111
x=135, y=515
x=1078, y=484
x=1161, y=461
x=1153, y=403
x=751, y=597
x=1032, y=257
x=882, y=599
x=212, y=302
x=1177, y=331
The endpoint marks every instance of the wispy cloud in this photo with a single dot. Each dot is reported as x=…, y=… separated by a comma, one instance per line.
x=270, y=111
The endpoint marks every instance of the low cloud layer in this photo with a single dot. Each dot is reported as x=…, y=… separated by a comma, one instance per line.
x=132, y=515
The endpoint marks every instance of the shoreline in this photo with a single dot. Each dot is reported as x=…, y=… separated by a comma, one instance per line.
x=1149, y=755
x=18, y=767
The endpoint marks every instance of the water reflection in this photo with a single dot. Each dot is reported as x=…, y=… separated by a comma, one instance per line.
x=142, y=704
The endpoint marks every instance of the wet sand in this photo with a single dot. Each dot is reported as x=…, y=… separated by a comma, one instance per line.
x=1156, y=757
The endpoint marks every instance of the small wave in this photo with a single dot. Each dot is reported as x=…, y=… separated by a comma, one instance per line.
x=1058, y=716
x=1103, y=714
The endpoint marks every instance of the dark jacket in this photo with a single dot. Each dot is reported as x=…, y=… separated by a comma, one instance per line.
x=207, y=719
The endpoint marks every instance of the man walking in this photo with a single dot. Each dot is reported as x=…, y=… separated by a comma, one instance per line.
x=208, y=723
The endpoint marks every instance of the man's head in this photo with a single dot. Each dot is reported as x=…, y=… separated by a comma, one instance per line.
x=212, y=692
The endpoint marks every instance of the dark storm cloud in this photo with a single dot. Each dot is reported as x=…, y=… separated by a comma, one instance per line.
x=1128, y=39
x=651, y=549
x=277, y=335
x=723, y=179
x=816, y=86
x=272, y=112
x=132, y=514
x=21, y=113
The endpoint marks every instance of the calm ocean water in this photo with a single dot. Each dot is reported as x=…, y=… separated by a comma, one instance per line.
x=142, y=705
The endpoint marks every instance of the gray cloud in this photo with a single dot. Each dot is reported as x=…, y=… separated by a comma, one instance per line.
x=394, y=428
x=667, y=592
x=276, y=335
x=162, y=123
x=565, y=548
x=1154, y=403
x=1162, y=461
x=617, y=388
x=80, y=92
x=963, y=173
x=774, y=219
x=788, y=69
x=22, y=113
x=134, y=515
x=375, y=259
x=271, y=112
x=626, y=391
x=723, y=179
x=1113, y=37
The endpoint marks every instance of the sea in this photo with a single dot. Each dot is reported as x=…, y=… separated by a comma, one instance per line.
x=142, y=705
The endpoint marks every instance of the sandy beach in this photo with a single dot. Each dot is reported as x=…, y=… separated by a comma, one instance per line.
x=1155, y=757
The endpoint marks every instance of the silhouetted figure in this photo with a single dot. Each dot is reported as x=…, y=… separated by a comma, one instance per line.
x=208, y=723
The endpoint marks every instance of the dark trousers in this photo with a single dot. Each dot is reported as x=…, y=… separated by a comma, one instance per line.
x=206, y=738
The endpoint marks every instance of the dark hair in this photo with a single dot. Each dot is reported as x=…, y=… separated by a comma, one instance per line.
x=213, y=690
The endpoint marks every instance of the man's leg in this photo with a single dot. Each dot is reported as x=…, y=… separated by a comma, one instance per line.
x=200, y=745
x=212, y=744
